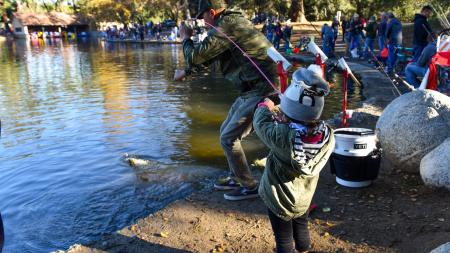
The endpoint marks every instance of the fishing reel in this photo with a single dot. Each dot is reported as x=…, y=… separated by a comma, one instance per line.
x=302, y=45
x=194, y=24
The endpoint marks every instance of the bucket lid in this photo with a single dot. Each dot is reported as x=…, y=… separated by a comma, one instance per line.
x=354, y=131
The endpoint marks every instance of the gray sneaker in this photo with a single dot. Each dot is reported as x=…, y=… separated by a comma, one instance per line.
x=242, y=193
x=227, y=183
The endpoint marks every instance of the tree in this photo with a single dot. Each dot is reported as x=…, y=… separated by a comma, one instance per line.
x=7, y=9
x=297, y=11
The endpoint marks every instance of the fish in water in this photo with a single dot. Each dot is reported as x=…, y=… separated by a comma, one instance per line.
x=140, y=161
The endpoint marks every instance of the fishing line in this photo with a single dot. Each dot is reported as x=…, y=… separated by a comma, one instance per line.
x=384, y=71
x=247, y=56
x=320, y=34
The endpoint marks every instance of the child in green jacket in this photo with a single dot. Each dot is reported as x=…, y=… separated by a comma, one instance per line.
x=300, y=145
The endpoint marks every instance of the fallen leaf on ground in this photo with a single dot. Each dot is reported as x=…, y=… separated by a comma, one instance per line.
x=329, y=224
x=220, y=248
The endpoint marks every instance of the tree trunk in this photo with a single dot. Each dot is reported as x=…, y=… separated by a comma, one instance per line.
x=297, y=11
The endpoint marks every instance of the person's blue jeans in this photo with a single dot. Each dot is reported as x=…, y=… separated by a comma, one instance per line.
x=327, y=46
x=356, y=43
x=270, y=37
x=417, y=52
x=286, y=44
x=381, y=44
x=368, y=45
x=413, y=71
x=392, y=56
x=276, y=42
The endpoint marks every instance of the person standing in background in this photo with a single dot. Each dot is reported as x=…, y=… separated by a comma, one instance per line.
x=269, y=32
x=335, y=25
x=344, y=27
x=287, y=33
x=382, y=31
x=327, y=40
x=371, y=34
x=356, y=28
x=278, y=35
x=394, y=37
x=422, y=30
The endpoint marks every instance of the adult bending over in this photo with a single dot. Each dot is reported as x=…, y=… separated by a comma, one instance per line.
x=240, y=71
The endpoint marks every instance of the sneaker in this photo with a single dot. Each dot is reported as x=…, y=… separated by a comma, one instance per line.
x=227, y=183
x=242, y=193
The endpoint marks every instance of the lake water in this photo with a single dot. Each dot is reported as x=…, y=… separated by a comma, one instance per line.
x=69, y=111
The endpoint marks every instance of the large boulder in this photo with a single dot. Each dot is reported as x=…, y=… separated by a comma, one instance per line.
x=435, y=167
x=412, y=125
x=444, y=248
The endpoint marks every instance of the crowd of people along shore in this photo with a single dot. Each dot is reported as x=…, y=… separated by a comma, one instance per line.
x=166, y=31
x=361, y=36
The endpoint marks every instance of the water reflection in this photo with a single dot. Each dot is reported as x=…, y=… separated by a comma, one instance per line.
x=70, y=111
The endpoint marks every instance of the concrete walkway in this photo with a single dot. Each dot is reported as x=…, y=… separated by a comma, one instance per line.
x=143, y=41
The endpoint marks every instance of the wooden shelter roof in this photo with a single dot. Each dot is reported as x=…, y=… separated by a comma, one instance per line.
x=49, y=19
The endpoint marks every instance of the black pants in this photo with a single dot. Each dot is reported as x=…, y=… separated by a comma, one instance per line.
x=287, y=231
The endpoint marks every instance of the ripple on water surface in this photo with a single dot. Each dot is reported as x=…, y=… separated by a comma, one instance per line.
x=70, y=111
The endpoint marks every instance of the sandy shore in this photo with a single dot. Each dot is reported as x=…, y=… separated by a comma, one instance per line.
x=396, y=214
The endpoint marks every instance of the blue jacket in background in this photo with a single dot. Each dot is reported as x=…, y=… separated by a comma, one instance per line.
x=421, y=29
x=327, y=32
x=394, y=31
x=382, y=28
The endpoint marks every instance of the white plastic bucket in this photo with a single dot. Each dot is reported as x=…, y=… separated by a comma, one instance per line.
x=354, y=141
x=355, y=159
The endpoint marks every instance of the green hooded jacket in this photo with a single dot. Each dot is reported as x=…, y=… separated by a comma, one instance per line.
x=232, y=63
x=287, y=187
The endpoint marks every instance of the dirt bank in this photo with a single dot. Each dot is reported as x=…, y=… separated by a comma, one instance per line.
x=396, y=214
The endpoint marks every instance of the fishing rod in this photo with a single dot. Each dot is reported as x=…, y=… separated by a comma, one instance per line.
x=430, y=33
x=320, y=34
x=441, y=15
x=393, y=82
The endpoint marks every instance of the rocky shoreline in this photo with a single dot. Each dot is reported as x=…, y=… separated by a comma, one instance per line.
x=398, y=213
